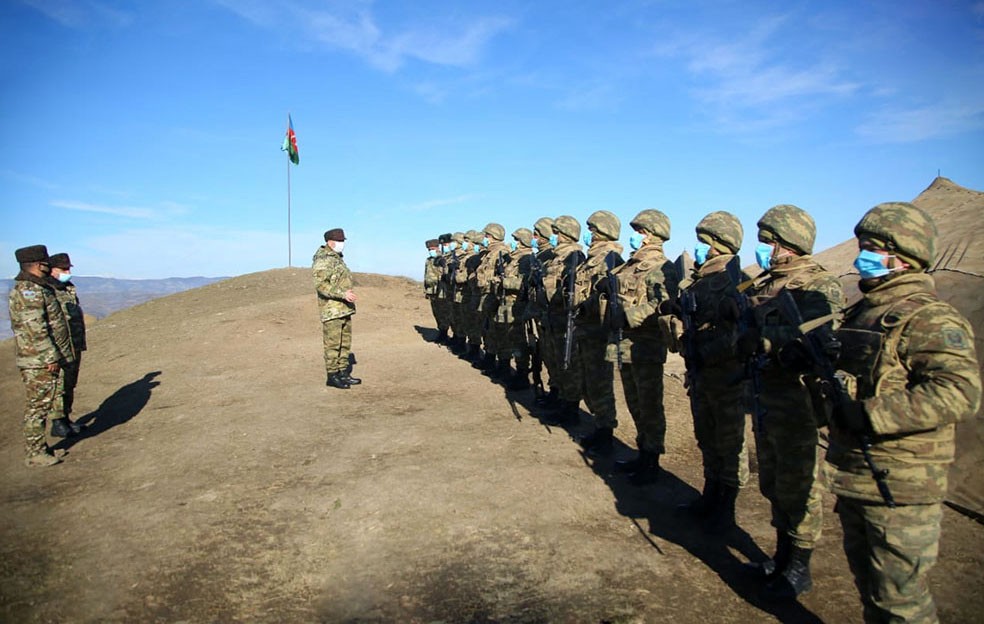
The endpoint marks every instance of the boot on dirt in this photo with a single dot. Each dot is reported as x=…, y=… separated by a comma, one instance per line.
x=548, y=399
x=599, y=442
x=335, y=380
x=723, y=518
x=647, y=470
x=704, y=505
x=501, y=372
x=794, y=580
x=772, y=568
x=563, y=413
x=350, y=380
x=63, y=428
x=442, y=336
x=520, y=379
x=42, y=458
x=473, y=353
x=486, y=363
x=457, y=345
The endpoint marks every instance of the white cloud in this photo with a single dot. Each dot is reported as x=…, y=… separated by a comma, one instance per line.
x=439, y=203
x=163, y=210
x=896, y=125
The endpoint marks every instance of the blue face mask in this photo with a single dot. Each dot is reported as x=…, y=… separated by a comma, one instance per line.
x=587, y=238
x=701, y=249
x=763, y=255
x=869, y=264
x=453, y=246
x=514, y=245
x=432, y=253
x=64, y=277
x=636, y=241
x=553, y=240
x=485, y=242
x=535, y=244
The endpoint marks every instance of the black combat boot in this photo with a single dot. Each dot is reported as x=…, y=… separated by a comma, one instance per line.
x=486, y=363
x=547, y=399
x=458, y=345
x=502, y=371
x=704, y=505
x=722, y=519
x=442, y=336
x=336, y=380
x=794, y=580
x=647, y=470
x=520, y=379
x=63, y=428
x=599, y=442
x=350, y=380
x=563, y=413
x=473, y=353
x=772, y=568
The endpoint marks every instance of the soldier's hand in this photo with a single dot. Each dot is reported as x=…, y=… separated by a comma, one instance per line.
x=851, y=416
x=350, y=296
x=672, y=329
x=54, y=367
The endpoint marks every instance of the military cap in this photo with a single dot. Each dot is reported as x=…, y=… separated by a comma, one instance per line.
x=60, y=261
x=34, y=253
x=722, y=228
x=444, y=238
x=654, y=222
x=606, y=224
x=902, y=229
x=524, y=236
x=495, y=230
x=335, y=234
x=458, y=237
x=433, y=243
x=791, y=225
x=568, y=226
x=543, y=227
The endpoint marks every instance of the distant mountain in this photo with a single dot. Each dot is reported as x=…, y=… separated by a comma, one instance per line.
x=101, y=296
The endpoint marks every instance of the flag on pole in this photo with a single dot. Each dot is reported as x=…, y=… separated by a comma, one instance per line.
x=290, y=142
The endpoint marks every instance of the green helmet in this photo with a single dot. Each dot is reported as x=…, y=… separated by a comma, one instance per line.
x=791, y=225
x=524, y=236
x=494, y=230
x=568, y=226
x=473, y=236
x=605, y=224
x=903, y=229
x=543, y=227
x=458, y=237
x=654, y=222
x=723, y=228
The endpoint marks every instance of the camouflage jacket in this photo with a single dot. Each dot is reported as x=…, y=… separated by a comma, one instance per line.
x=68, y=298
x=515, y=279
x=40, y=328
x=645, y=281
x=489, y=283
x=912, y=362
x=443, y=262
x=462, y=292
x=432, y=275
x=331, y=279
x=554, y=277
x=587, y=297
x=715, y=333
x=537, y=298
x=816, y=292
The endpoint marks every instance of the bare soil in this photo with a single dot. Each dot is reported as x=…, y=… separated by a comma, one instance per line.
x=219, y=480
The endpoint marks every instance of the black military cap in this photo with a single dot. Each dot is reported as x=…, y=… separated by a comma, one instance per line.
x=444, y=238
x=432, y=243
x=34, y=253
x=60, y=261
x=335, y=234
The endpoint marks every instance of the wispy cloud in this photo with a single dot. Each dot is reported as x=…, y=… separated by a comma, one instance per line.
x=431, y=204
x=80, y=14
x=28, y=179
x=896, y=125
x=129, y=212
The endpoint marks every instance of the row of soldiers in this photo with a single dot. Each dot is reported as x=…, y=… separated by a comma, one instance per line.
x=49, y=334
x=882, y=382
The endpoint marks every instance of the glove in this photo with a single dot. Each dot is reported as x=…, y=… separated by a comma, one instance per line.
x=793, y=356
x=850, y=415
x=748, y=343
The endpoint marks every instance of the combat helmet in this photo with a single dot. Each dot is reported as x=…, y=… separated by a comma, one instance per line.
x=653, y=222
x=543, y=227
x=458, y=237
x=903, y=229
x=790, y=225
x=605, y=224
x=721, y=230
x=494, y=230
x=568, y=226
x=524, y=236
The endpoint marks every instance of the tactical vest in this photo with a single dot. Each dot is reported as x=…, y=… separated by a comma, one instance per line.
x=714, y=337
x=512, y=307
x=590, y=272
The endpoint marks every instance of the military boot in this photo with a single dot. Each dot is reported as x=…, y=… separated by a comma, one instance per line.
x=487, y=362
x=43, y=457
x=63, y=428
x=337, y=380
x=520, y=379
x=771, y=568
x=704, y=505
x=599, y=442
x=794, y=580
x=547, y=399
x=563, y=413
x=458, y=345
x=473, y=353
x=442, y=336
x=502, y=371
x=722, y=519
x=647, y=469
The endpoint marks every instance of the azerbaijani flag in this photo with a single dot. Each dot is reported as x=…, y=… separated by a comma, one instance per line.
x=290, y=142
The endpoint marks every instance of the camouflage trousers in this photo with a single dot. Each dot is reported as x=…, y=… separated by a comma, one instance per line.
x=337, y=335
x=515, y=344
x=494, y=336
x=642, y=383
x=788, y=451
x=441, y=309
x=567, y=382
x=461, y=318
x=71, y=376
x=719, y=427
x=548, y=354
x=890, y=553
x=597, y=375
x=44, y=402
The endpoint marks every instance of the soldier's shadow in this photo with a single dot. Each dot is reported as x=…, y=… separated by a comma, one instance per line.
x=427, y=333
x=116, y=409
x=654, y=511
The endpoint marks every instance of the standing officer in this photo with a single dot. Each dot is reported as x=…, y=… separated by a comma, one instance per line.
x=909, y=372
x=43, y=347
x=644, y=282
x=467, y=295
x=432, y=276
x=333, y=282
x=461, y=297
x=488, y=275
x=538, y=305
x=717, y=401
x=785, y=427
x=597, y=376
x=68, y=298
x=444, y=295
x=511, y=314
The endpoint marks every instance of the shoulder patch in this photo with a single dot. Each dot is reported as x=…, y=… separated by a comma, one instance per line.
x=956, y=338
x=29, y=294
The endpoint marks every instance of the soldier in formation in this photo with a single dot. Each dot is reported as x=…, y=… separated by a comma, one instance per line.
x=68, y=298
x=336, y=300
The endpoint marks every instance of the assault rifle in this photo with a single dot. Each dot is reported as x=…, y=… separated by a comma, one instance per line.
x=688, y=316
x=533, y=291
x=614, y=314
x=746, y=321
x=573, y=260
x=450, y=272
x=815, y=350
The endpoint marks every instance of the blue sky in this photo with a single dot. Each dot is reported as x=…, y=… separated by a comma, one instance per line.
x=144, y=137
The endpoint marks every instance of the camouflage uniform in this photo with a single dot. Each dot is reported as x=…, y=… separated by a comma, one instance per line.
x=432, y=276
x=597, y=376
x=538, y=305
x=444, y=295
x=511, y=315
x=42, y=339
x=454, y=267
x=476, y=318
x=489, y=279
x=645, y=281
x=69, y=300
x=567, y=380
x=331, y=280
x=786, y=425
x=462, y=315
x=911, y=372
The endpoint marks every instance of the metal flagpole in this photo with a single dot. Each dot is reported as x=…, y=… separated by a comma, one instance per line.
x=289, y=263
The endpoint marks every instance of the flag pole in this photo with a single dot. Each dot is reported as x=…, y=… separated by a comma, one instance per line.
x=289, y=263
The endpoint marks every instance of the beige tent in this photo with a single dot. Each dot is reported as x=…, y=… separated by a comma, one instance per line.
x=959, y=215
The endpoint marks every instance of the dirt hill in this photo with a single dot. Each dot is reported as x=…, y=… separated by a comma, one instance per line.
x=220, y=481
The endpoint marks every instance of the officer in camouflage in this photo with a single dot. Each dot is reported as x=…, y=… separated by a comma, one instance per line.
x=717, y=399
x=458, y=343
x=539, y=305
x=644, y=282
x=444, y=295
x=432, y=276
x=43, y=347
x=467, y=289
x=597, y=376
x=510, y=316
x=909, y=372
x=68, y=298
x=467, y=344
x=489, y=279
x=336, y=300
x=786, y=423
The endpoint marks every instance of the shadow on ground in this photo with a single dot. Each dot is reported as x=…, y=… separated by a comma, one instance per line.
x=116, y=409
